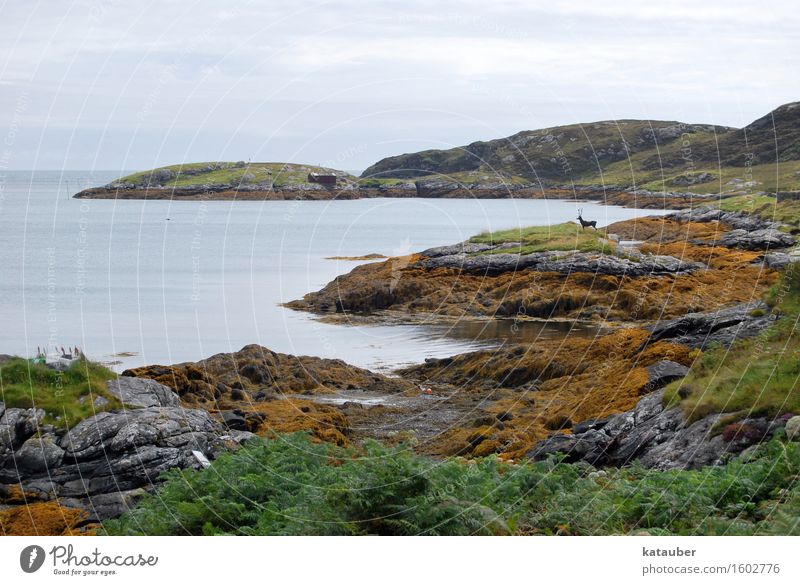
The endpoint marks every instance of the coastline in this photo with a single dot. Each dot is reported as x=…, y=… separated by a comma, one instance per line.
x=609, y=196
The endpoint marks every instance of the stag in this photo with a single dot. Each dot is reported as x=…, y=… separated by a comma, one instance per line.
x=584, y=223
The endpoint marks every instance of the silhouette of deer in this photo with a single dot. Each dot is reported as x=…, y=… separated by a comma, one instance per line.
x=584, y=223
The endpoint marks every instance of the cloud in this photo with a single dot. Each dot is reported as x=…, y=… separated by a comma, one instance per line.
x=312, y=78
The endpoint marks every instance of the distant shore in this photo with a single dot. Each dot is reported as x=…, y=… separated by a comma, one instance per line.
x=614, y=196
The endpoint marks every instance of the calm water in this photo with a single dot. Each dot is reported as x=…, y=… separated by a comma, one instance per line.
x=162, y=282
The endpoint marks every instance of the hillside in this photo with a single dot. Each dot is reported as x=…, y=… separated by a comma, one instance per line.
x=643, y=153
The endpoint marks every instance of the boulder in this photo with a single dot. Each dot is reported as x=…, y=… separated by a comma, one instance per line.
x=39, y=454
x=793, y=428
x=142, y=392
x=662, y=373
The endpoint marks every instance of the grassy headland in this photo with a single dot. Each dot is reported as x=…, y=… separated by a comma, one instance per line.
x=568, y=236
x=66, y=397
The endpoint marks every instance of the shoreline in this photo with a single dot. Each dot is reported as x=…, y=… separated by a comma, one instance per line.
x=608, y=196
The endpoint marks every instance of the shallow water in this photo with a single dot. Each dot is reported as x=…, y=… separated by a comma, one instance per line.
x=143, y=282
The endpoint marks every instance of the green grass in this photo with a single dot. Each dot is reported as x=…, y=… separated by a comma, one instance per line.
x=292, y=485
x=218, y=173
x=566, y=236
x=27, y=385
x=757, y=376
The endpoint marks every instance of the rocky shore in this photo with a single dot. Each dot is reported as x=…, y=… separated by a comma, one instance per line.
x=666, y=289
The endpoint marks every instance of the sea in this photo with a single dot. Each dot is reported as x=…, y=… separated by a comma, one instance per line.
x=159, y=282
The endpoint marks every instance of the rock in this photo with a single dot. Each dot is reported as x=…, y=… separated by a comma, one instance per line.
x=723, y=326
x=234, y=421
x=588, y=446
x=105, y=462
x=142, y=392
x=793, y=428
x=657, y=438
x=662, y=373
x=749, y=231
x=687, y=180
x=561, y=262
x=39, y=454
x=17, y=425
x=779, y=260
x=100, y=402
x=763, y=239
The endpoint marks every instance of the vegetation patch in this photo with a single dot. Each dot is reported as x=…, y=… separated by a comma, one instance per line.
x=566, y=236
x=66, y=397
x=291, y=485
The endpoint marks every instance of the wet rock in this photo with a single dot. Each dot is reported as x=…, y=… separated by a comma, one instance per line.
x=142, y=392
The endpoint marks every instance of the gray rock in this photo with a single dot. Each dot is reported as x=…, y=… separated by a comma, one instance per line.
x=664, y=372
x=793, y=428
x=462, y=248
x=763, y=239
x=749, y=231
x=17, y=425
x=105, y=461
x=39, y=454
x=122, y=430
x=722, y=326
x=657, y=438
x=142, y=392
x=562, y=262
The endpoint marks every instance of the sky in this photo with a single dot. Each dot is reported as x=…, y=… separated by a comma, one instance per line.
x=107, y=84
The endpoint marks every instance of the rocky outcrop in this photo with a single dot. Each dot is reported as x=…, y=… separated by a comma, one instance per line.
x=749, y=232
x=765, y=239
x=106, y=461
x=657, y=438
x=142, y=392
x=559, y=262
x=723, y=326
x=257, y=374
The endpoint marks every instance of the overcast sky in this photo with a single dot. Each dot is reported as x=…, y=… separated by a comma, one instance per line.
x=103, y=84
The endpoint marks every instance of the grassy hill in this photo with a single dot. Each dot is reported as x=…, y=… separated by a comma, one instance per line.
x=232, y=174
x=765, y=155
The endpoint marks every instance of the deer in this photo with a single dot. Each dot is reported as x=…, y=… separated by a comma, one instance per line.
x=584, y=223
